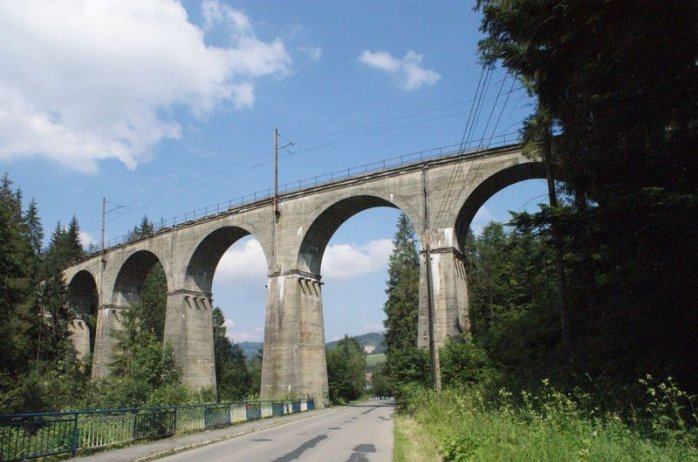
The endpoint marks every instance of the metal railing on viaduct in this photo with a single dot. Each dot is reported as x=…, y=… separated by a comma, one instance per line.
x=31, y=436
x=221, y=208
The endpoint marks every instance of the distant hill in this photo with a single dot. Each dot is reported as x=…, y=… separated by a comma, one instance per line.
x=371, y=341
x=250, y=349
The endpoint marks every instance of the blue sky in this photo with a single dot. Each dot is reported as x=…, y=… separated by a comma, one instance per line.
x=163, y=107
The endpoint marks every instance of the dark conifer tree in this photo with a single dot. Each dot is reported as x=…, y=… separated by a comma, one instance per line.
x=618, y=85
x=232, y=377
x=152, y=306
x=405, y=361
x=146, y=228
x=403, y=290
x=15, y=285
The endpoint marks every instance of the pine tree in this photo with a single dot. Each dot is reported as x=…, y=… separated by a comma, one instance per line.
x=52, y=303
x=233, y=379
x=625, y=138
x=144, y=371
x=152, y=306
x=405, y=362
x=38, y=371
x=146, y=228
x=33, y=229
x=512, y=305
x=402, y=306
x=15, y=286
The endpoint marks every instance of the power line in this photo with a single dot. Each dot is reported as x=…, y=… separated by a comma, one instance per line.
x=379, y=127
x=494, y=106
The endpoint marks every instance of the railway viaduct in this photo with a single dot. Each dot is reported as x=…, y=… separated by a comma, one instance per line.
x=440, y=196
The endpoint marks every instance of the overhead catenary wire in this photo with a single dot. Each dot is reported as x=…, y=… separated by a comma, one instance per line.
x=135, y=206
x=474, y=169
x=494, y=106
x=473, y=116
x=304, y=147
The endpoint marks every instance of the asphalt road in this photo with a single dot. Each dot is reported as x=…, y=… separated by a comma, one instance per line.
x=357, y=433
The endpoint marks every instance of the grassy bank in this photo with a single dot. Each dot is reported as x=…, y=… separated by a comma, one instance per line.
x=549, y=427
x=412, y=444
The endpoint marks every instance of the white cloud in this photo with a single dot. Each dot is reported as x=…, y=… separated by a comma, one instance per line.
x=255, y=335
x=86, y=239
x=83, y=80
x=409, y=71
x=342, y=261
x=244, y=263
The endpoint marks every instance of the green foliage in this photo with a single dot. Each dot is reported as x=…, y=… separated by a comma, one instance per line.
x=46, y=386
x=143, y=370
x=374, y=360
x=38, y=370
x=465, y=363
x=405, y=362
x=410, y=366
x=625, y=141
x=146, y=228
x=15, y=286
x=254, y=367
x=233, y=380
x=143, y=373
x=512, y=302
x=670, y=413
x=549, y=426
x=403, y=290
x=346, y=363
x=152, y=306
x=380, y=381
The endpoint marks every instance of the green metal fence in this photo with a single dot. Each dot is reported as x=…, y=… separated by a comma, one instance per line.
x=30, y=436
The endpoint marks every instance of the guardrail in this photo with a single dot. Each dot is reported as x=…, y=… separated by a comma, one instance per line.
x=213, y=210
x=30, y=436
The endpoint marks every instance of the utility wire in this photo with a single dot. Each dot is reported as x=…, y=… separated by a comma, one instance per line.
x=143, y=203
x=494, y=106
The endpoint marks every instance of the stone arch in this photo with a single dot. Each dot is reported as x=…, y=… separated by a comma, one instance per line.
x=488, y=188
x=131, y=277
x=327, y=222
x=83, y=299
x=83, y=296
x=207, y=254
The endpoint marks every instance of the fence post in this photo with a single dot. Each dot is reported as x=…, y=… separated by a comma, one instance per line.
x=176, y=411
x=75, y=435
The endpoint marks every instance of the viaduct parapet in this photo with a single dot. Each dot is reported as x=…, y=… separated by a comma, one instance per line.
x=440, y=196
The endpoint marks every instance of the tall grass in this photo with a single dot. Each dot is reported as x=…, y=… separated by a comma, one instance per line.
x=551, y=426
x=411, y=443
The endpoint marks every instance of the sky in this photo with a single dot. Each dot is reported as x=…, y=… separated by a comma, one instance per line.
x=163, y=107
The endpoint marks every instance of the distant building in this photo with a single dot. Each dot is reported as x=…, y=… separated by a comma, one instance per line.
x=369, y=349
